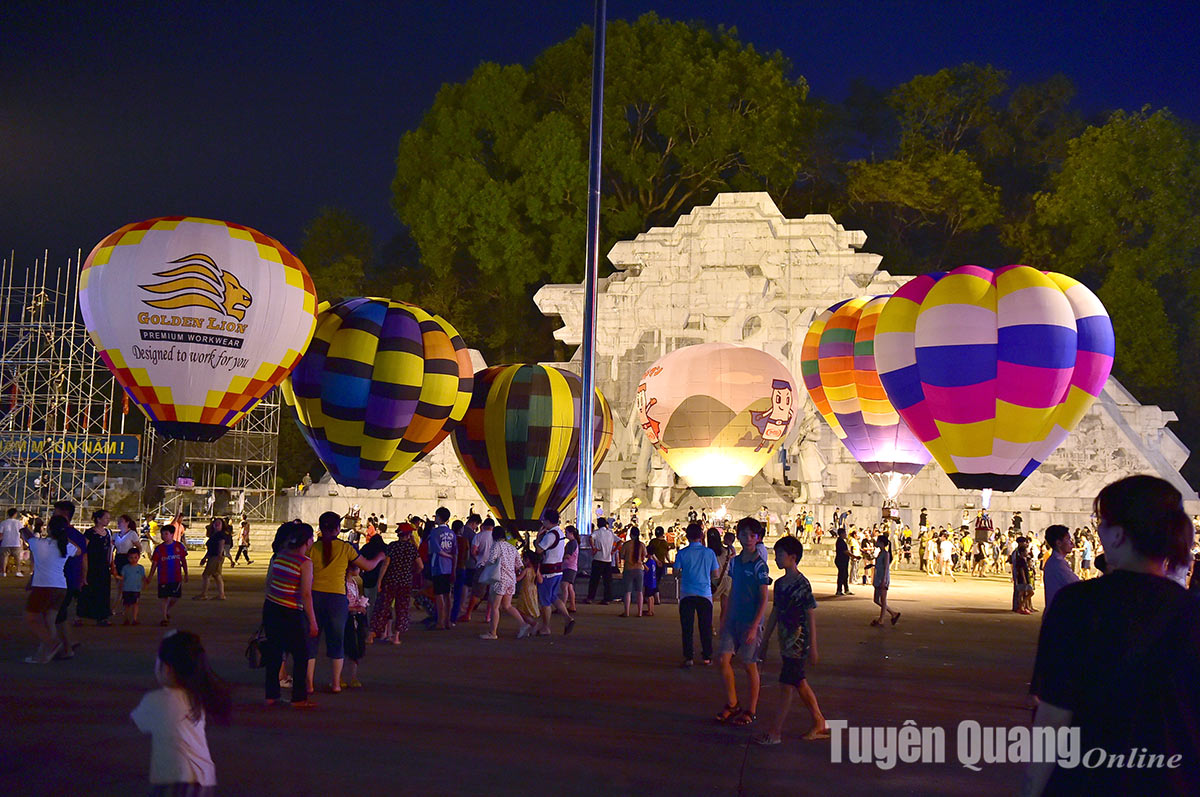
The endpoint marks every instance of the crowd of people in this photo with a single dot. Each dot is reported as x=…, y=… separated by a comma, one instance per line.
x=356, y=588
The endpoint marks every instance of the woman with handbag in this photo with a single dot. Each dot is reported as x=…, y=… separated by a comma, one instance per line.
x=395, y=587
x=504, y=562
x=723, y=582
x=288, y=618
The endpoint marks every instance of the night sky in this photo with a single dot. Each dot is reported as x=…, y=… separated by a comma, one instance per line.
x=260, y=113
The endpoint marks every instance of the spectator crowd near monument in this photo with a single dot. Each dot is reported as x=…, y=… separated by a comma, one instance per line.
x=353, y=585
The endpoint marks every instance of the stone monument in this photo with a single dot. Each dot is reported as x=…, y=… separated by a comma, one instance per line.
x=737, y=271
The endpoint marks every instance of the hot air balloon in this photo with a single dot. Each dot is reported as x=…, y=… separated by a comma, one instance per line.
x=519, y=441
x=716, y=412
x=838, y=365
x=197, y=319
x=992, y=369
x=381, y=385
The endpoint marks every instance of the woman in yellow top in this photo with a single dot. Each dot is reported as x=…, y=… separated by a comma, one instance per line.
x=330, y=558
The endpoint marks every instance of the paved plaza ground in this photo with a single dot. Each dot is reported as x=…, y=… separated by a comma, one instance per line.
x=604, y=711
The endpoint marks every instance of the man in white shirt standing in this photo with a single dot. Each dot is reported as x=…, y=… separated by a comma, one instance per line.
x=602, y=550
x=10, y=542
x=552, y=544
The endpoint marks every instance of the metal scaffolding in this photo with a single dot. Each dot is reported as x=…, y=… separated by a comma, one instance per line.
x=58, y=403
x=230, y=476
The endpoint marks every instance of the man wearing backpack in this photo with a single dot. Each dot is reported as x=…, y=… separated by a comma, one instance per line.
x=551, y=543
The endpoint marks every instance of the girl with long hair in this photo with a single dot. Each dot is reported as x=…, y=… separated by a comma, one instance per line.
x=720, y=584
x=175, y=716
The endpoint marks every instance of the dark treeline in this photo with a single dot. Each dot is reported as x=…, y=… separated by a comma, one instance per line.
x=960, y=166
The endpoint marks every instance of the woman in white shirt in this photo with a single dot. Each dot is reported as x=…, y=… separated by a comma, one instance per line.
x=48, y=586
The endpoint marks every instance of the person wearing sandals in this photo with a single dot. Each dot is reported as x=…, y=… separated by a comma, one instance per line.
x=741, y=629
x=330, y=559
x=287, y=616
x=882, y=579
x=48, y=586
x=793, y=612
x=633, y=562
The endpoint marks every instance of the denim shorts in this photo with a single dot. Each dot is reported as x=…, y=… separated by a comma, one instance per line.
x=548, y=589
x=733, y=640
x=331, y=609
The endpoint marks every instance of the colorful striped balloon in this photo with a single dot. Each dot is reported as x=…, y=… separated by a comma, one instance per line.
x=838, y=364
x=519, y=441
x=382, y=384
x=992, y=369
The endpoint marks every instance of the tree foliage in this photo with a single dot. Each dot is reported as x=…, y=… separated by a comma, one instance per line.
x=336, y=249
x=493, y=184
x=1122, y=214
x=943, y=169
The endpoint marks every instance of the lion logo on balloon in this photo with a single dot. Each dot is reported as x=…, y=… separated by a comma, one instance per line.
x=199, y=282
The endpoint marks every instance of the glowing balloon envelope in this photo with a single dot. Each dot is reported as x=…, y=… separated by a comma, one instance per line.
x=197, y=319
x=382, y=384
x=716, y=412
x=992, y=369
x=838, y=365
x=519, y=442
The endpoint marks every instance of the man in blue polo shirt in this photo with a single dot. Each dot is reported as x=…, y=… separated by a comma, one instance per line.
x=697, y=568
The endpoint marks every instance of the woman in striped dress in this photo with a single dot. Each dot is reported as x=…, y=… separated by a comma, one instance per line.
x=288, y=617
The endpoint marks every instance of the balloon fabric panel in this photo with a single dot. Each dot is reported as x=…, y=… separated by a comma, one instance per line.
x=838, y=359
x=519, y=441
x=219, y=316
x=381, y=385
x=993, y=368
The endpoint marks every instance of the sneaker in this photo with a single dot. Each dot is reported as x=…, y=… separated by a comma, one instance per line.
x=524, y=631
x=488, y=636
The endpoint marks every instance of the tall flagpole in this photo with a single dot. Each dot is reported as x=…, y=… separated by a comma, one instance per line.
x=584, y=513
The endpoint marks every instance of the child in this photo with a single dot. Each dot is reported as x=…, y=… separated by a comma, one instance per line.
x=356, y=628
x=793, y=612
x=170, y=560
x=740, y=630
x=527, y=594
x=650, y=584
x=132, y=578
x=175, y=716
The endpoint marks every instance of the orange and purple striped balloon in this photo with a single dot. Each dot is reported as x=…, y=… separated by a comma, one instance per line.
x=838, y=365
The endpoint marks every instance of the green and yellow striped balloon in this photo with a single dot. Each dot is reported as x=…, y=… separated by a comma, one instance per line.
x=519, y=441
x=380, y=386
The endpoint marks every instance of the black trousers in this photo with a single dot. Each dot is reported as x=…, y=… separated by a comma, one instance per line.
x=287, y=632
x=600, y=570
x=843, y=576
x=694, y=606
x=242, y=551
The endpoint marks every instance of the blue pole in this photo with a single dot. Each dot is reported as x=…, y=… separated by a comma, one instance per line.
x=584, y=512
